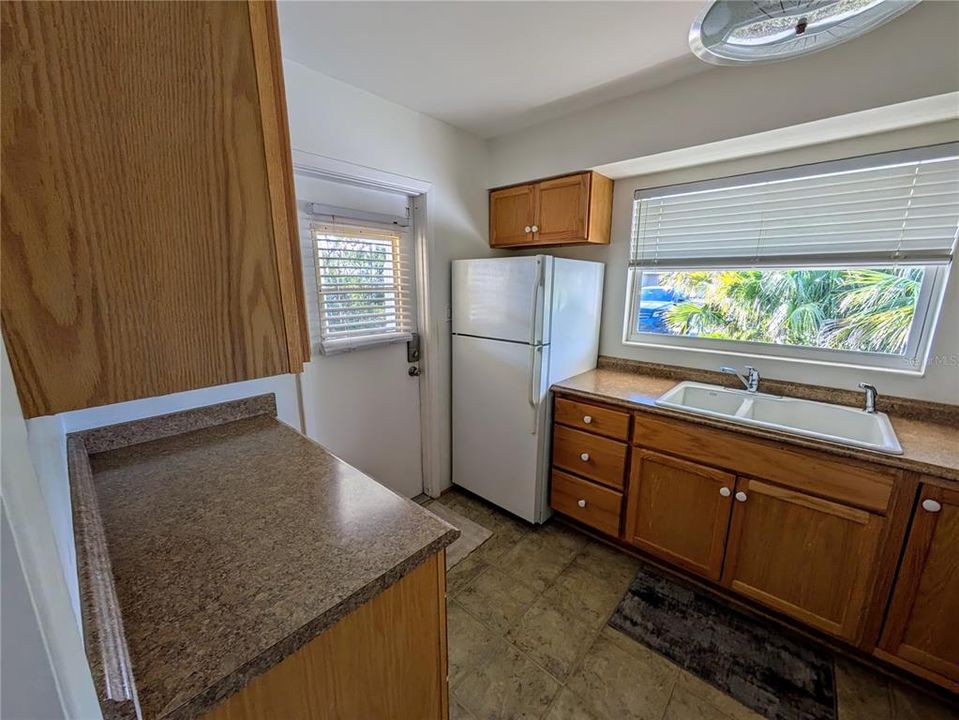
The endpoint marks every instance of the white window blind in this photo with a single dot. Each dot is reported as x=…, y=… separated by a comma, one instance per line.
x=899, y=207
x=364, y=285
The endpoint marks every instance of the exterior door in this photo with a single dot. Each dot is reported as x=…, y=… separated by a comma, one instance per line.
x=802, y=555
x=511, y=216
x=562, y=209
x=921, y=624
x=363, y=406
x=679, y=511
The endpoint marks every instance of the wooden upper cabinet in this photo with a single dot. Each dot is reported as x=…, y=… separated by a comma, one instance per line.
x=148, y=220
x=569, y=210
x=921, y=624
x=807, y=557
x=679, y=511
x=511, y=215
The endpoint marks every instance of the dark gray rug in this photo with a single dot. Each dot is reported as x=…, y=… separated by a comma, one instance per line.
x=778, y=676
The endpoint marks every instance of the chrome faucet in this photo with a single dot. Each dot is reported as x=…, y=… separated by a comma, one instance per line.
x=750, y=379
x=871, y=395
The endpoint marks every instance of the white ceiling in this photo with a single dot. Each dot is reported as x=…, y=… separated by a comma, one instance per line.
x=494, y=67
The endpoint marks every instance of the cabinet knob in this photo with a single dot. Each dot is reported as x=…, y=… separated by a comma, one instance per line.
x=584, y=457
x=581, y=503
x=931, y=505
x=725, y=491
x=741, y=496
x=527, y=229
x=535, y=228
x=587, y=419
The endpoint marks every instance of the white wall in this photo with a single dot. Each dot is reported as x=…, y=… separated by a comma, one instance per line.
x=941, y=380
x=915, y=56
x=336, y=120
x=51, y=660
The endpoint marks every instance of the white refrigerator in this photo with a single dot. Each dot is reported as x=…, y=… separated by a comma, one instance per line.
x=519, y=324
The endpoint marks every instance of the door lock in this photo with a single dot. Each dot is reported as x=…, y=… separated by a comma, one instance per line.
x=413, y=371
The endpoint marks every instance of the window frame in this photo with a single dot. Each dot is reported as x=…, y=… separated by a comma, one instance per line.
x=929, y=305
x=406, y=295
x=912, y=361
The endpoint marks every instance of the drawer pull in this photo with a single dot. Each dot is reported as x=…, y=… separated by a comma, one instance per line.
x=931, y=505
x=741, y=496
x=725, y=491
x=584, y=457
x=587, y=419
x=581, y=503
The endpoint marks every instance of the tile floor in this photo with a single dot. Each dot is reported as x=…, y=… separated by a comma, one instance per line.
x=528, y=639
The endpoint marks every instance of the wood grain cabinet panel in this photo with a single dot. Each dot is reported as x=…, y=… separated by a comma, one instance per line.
x=921, y=626
x=511, y=213
x=596, y=458
x=592, y=418
x=149, y=238
x=679, y=511
x=593, y=505
x=569, y=210
x=807, y=557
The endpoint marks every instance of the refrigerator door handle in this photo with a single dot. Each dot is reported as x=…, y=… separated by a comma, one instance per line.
x=534, y=386
x=537, y=283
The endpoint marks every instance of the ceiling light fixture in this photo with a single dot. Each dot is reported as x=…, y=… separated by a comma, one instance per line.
x=739, y=32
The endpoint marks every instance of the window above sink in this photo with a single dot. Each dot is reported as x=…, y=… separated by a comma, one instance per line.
x=842, y=262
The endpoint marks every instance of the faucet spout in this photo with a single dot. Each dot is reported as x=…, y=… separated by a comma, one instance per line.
x=750, y=379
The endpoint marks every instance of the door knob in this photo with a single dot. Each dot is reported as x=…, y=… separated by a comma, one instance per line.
x=931, y=505
x=535, y=228
x=725, y=491
x=413, y=371
x=741, y=496
x=527, y=229
x=581, y=503
x=587, y=419
x=584, y=457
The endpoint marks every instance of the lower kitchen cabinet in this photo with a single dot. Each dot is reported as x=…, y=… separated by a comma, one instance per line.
x=807, y=557
x=679, y=511
x=920, y=628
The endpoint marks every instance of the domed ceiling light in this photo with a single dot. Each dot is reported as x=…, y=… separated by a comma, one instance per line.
x=739, y=32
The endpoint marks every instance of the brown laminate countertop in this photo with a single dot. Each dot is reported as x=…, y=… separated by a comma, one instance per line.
x=928, y=447
x=233, y=545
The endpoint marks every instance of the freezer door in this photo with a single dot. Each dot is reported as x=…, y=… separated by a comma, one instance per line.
x=499, y=448
x=577, y=301
x=501, y=298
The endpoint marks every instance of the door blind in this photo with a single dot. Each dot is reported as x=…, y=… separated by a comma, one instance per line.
x=897, y=207
x=364, y=279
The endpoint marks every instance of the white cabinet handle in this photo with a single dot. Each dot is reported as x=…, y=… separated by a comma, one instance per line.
x=528, y=229
x=587, y=419
x=725, y=491
x=581, y=503
x=535, y=228
x=741, y=496
x=584, y=457
x=931, y=505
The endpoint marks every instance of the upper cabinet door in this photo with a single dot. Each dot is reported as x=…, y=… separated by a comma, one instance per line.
x=562, y=209
x=149, y=236
x=679, y=511
x=511, y=216
x=802, y=555
x=921, y=624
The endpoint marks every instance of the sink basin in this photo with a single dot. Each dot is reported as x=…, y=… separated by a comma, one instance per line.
x=823, y=421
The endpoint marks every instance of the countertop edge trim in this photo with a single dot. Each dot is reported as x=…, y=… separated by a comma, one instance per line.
x=894, y=462
x=104, y=639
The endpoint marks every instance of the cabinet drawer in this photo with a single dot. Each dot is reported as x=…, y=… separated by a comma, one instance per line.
x=592, y=418
x=587, y=502
x=590, y=456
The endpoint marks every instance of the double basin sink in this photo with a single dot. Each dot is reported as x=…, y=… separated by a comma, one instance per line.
x=823, y=421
